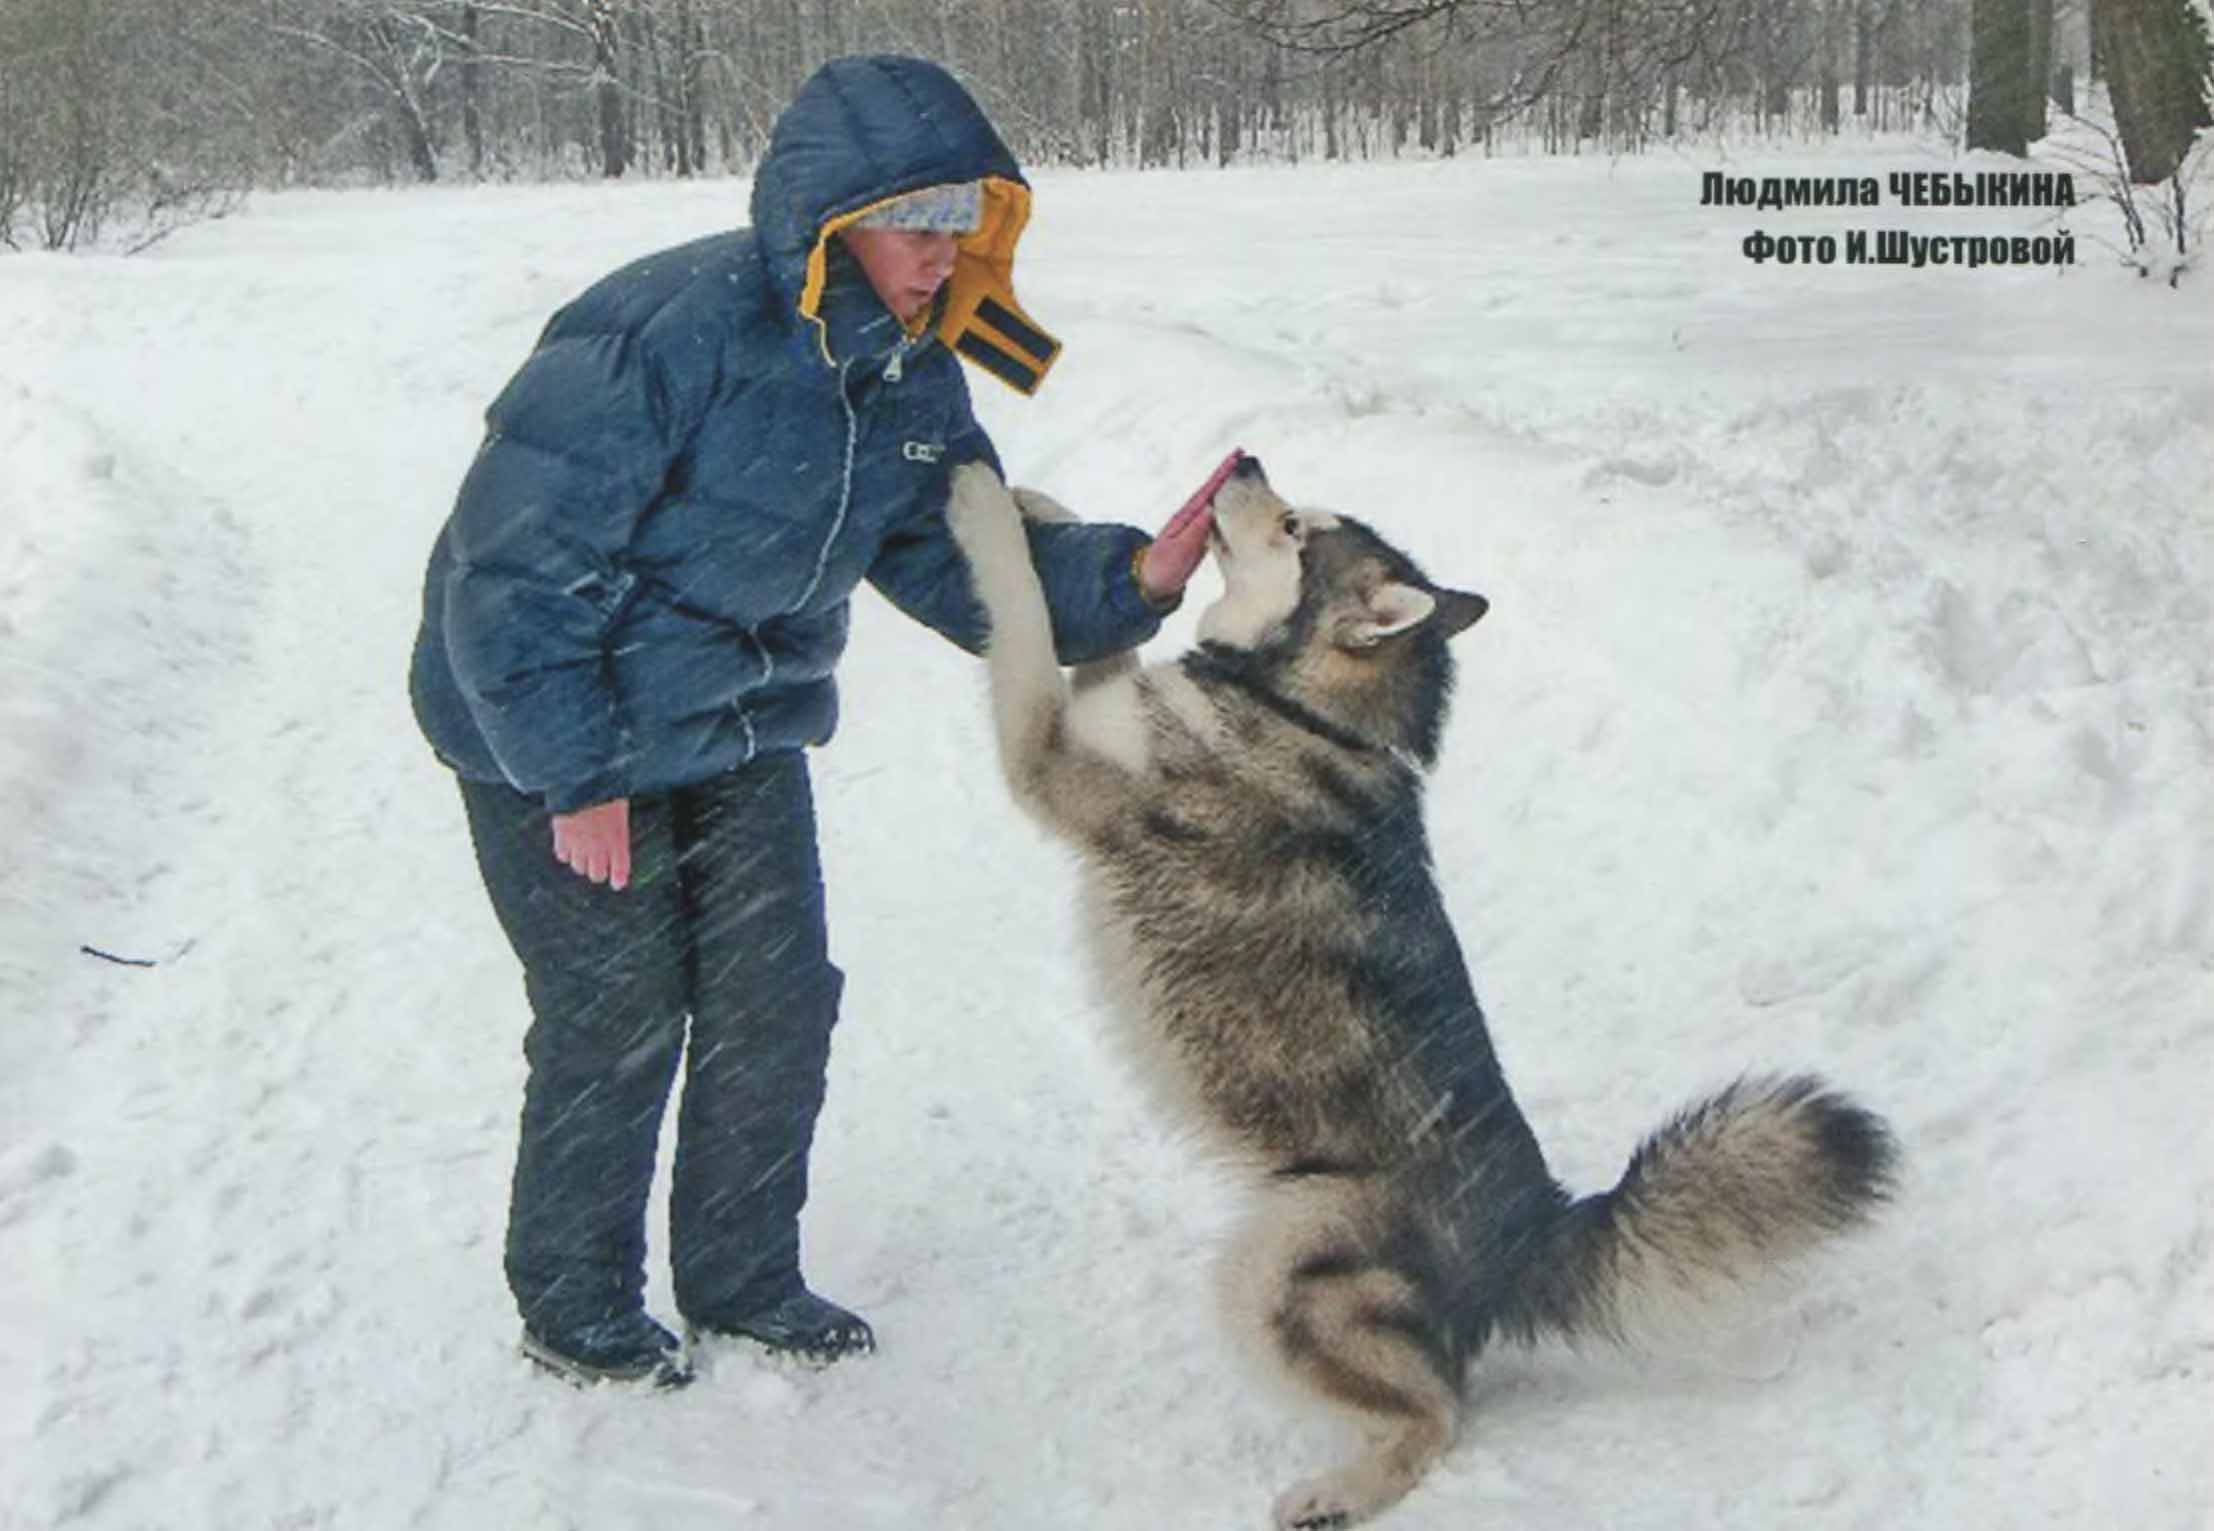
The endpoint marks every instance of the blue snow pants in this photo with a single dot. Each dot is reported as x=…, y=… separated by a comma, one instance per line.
x=722, y=926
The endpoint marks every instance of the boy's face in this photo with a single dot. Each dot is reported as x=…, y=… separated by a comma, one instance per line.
x=905, y=266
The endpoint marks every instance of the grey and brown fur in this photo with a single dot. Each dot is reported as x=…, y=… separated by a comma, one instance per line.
x=1250, y=819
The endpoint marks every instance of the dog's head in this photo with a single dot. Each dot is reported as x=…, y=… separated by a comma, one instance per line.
x=1283, y=567
x=1334, y=608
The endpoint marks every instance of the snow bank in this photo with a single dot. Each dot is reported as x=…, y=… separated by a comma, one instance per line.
x=1844, y=704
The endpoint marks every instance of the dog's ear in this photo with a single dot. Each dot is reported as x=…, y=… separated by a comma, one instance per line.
x=1460, y=610
x=1391, y=609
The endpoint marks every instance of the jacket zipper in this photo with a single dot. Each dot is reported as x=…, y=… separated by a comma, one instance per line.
x=845, y=491
x=837, y=525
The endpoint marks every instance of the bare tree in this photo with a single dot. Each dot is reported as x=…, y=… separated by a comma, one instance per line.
x=2005, y=88
x=396, y=50
x=114, y=128
x=423, y=89
x=2154, y=54
x=601, y=22
x=472, y=85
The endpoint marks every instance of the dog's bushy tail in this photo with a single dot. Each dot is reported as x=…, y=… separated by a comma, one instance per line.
x=1727, y=1189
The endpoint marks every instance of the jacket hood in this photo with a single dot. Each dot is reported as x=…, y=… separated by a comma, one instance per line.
x=863, y=131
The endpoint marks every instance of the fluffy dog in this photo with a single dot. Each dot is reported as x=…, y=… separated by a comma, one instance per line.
x=1250, y=821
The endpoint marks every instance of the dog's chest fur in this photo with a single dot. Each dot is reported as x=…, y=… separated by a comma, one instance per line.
x=1271, y=899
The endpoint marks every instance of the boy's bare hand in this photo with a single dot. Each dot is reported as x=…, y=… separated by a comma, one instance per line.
x=1166, y=567
x=1182, y=546
x=594, y=842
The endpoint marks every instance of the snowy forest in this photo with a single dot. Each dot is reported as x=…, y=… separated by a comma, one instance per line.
x=1845, y=705
x=122, y=118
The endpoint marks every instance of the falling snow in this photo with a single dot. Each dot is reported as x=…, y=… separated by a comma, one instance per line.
x=1847, y=703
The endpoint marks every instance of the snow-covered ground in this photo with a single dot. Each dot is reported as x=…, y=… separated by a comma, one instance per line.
x=1847, y=703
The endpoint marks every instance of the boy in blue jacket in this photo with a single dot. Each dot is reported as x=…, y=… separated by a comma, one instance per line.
x=630, y=624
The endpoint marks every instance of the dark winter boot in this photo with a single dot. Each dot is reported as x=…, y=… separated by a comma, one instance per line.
x=803, y=1326
x=632, y=1348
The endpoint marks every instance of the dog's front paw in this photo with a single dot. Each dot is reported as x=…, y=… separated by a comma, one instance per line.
x=979, y=507
x=1041, y=508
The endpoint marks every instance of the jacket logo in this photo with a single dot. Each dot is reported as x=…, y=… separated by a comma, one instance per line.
x=921, y=451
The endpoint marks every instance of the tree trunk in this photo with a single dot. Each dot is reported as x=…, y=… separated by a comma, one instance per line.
x=661, y=91
x=1329, y=112
x=1998, y=66
x=1272, y=99
x=419, y=153
x=1826, y=83
x=2040, y=69
x=2154, y=53
x=1864, y=56
x=407, y=107
x=472, y=91
x=607, y=92
x=1776, y=101
x=692, y=80
x=1095, y=135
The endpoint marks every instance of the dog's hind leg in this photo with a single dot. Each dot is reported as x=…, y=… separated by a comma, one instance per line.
x=1355, y=1331
x=1356, y=1337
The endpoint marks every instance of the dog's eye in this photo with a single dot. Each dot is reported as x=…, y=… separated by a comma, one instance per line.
x=1290, y=524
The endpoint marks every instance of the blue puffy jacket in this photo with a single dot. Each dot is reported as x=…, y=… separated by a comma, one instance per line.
x=645, y=579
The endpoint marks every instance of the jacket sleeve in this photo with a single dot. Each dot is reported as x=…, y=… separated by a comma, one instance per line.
x=1088, y=571
x=578, y=446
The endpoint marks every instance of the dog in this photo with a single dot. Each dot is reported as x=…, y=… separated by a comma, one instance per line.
x=1249, y=819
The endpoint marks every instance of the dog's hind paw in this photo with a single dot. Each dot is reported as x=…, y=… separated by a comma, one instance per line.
x=1317, y=1505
